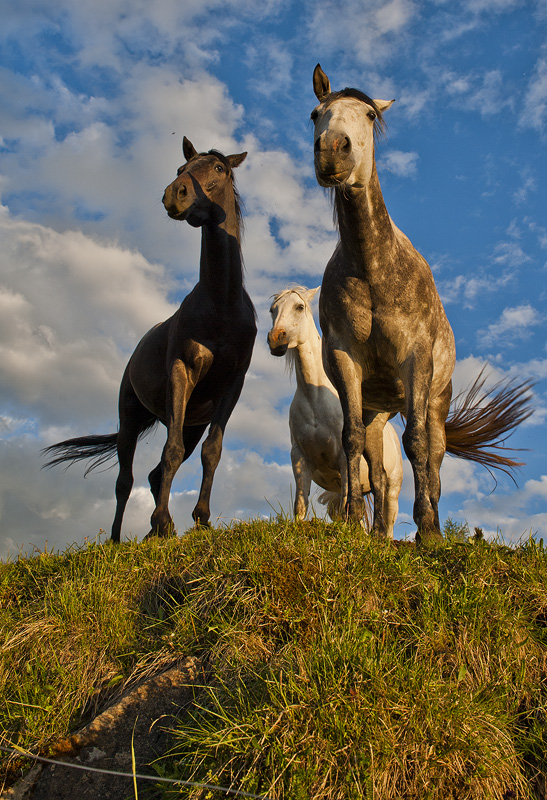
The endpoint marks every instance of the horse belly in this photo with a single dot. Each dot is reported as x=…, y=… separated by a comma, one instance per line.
x=318, y=434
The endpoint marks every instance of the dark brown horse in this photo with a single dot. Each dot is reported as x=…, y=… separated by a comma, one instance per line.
x=188, y=371
x=388, y=346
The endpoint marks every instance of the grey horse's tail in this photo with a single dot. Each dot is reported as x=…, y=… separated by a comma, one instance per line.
x=102, y=448
x=479, y=422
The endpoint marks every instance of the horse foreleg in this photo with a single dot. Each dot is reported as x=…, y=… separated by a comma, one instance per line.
x=181, y=384
x=374, y=454
x=416, y=445
x=211, y=450
x=302, y=479
x=343, y=373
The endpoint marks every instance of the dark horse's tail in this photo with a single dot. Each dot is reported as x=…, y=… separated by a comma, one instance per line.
x=479, y=422
x=101, y=448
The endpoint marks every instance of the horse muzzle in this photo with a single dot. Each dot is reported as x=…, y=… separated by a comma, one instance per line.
x=333, y=158
x=330, y=179
x=278, y=342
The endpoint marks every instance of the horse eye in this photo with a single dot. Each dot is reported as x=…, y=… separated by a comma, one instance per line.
x=371, y=115
x=300, y=307
x=219, y=168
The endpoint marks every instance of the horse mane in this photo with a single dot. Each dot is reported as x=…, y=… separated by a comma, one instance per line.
x=240, y=207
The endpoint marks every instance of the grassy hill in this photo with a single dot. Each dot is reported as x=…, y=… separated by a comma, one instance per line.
x=341, y=667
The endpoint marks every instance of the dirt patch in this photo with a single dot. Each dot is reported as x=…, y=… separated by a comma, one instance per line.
x=143, y=716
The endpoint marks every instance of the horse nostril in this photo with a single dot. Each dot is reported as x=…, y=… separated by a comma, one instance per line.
x=317, y=146
x=182, y=191
x=343, y=145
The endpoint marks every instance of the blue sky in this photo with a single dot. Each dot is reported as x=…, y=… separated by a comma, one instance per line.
x=95, y=99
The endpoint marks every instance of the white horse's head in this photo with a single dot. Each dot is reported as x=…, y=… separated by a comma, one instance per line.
x=291, y=319
x=345, y=123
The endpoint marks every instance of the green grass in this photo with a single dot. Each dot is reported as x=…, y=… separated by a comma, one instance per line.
x=341, y=667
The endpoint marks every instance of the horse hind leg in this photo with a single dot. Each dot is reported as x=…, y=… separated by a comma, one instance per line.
x=134, y=419
x=436, y=417
x=154, y=479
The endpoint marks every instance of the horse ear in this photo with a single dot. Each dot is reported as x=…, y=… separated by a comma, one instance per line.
x=188, y=149
x=383, y=105
x=235, y=160
x=321, y=84
x=310, y=294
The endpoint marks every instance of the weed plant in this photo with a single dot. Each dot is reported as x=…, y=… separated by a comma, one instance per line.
x=341, y=667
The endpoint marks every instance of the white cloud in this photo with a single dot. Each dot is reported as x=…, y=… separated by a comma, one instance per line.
x=535, y=100
x=528, y=185
x=510, y=253
x=405, y=165
x=369, y=32
x=515, y=322
x=72, y=311
x=491, y=97
x=470, y=289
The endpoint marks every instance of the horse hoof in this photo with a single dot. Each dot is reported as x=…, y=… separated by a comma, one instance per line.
x=160, y=533
x=429, y=538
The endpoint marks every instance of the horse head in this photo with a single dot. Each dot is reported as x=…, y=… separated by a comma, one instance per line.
x=345, y=123
x=199, y=192
x=290, y=312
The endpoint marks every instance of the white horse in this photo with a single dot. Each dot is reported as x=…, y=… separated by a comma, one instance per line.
x=315, y=416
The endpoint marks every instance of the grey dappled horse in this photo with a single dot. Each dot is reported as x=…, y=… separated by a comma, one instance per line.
x=388, y=346
x=188, y=371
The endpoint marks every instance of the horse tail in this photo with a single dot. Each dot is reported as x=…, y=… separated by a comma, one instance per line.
x=480, y=421
x=102, y=448
x=333, y=501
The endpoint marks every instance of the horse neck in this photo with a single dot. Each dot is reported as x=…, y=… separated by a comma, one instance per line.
x=221, y=264
x=309, y=362
x=365, y=227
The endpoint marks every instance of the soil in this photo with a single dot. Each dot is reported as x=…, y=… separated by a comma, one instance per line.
x=140, y=720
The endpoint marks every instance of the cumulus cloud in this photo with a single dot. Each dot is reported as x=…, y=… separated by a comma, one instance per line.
x=72, y=309
x=514, y=323
x=370, y=32
x=404, y=165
